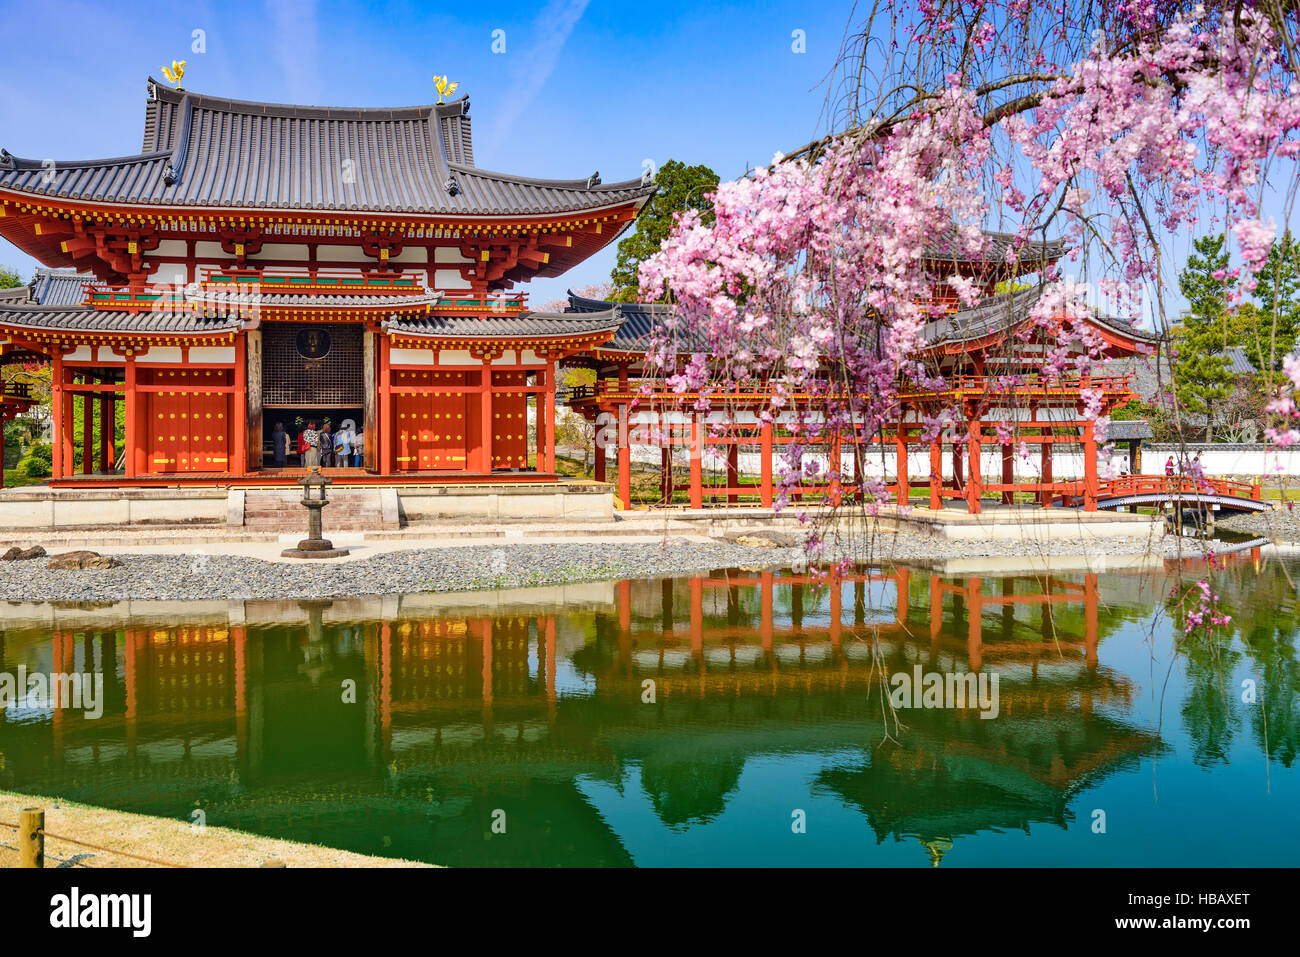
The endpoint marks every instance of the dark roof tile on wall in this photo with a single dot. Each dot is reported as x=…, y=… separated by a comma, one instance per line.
x=524, y=325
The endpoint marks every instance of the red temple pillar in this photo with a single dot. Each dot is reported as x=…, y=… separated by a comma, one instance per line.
x=383, y=461
x=1045, y=497
x=975, y=623
x=624, y=458
x=936, y=473
x=697, y=462
x=733, y=471
x=973, y=487
x=666, y=472
x=900, y=466
x=485, y=421
x=765, y=466
x=237, y=455
x=1008, y=475
x=1090, y=466
x=136, y=437
x=598, y=463
x=549, y=396
x=87, y=429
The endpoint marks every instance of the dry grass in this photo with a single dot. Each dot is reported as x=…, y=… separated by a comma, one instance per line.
x=165, y=841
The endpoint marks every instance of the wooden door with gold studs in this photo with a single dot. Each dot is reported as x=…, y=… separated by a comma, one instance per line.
x=209, y=421
x=450, y=426
x=509, y=422
x=412, y=419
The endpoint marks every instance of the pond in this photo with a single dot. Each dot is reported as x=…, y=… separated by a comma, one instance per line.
x=738, y=718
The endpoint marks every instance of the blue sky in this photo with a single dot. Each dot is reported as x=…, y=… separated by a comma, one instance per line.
x=583, y=85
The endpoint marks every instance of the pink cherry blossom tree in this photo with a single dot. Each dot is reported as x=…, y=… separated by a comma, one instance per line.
x=1117, y=125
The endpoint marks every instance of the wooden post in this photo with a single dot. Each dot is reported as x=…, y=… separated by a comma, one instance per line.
x=1008, y=475
x=253, y=406
x=59, y=402
x=485, y=420
x=238, y=455
x=370, y=403
x=599, y=460
x=697, y=462
x=1045, y=497
x=765, y=466
x=733, y=471
x=900, y=466
x=106, y=424
x=624, y=459
x=548, y=418
x=666, y=471
x=31, y=837
x=936, y=473
x=383, y=442
x=1089, y=466
x=973, y=488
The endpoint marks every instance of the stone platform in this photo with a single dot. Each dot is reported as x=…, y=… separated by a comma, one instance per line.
x=275, y=509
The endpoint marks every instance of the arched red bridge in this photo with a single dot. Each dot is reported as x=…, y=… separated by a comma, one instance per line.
x=1180, y=491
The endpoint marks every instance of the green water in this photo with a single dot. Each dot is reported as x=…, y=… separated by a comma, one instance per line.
x=725, y=720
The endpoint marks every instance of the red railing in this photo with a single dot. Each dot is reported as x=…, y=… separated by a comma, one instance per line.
x=1173, y=485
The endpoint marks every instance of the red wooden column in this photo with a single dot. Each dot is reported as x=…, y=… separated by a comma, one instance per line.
x=136, y=438
x=936, y=473
x=1090, y=466
x=598, y=463
x=237, y=413
x=383, y=443
x=624, y=459
x=1090, y=632
x=765, y=466
x=1008, y=475
x=697, y=461
x=87, y=428
x=666, y=471
x=61, y=416
x=900, y=465
x=549, y=417
x=1045, y=477
x=973, y=487
x=485, y=421
x=107, y=422
x=833, y=459
x=733, y=471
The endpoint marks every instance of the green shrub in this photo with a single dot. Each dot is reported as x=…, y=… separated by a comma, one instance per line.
x=35, y=468
x=42, y=453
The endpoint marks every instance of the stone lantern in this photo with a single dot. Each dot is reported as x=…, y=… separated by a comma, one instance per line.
x=314, y=500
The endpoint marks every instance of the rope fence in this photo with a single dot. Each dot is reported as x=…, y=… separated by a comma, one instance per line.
x=32, y=836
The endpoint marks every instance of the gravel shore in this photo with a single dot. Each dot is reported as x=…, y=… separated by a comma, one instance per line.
x=467, y=568
x=1283, y=524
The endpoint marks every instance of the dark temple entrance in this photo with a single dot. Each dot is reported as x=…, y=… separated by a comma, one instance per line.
x=310, y=372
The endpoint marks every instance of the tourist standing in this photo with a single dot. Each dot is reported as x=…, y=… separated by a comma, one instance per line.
x=309, y=443
x=359, y=450
x=343, y=440
x=280, y=445
x=326, y=443
x=1169, y=466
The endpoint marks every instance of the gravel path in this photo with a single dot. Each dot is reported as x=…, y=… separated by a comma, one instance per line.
x=463, y=568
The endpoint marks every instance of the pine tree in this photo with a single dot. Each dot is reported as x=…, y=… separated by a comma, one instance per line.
x=1272, y=337
x=1202, y=371
x=681, y=187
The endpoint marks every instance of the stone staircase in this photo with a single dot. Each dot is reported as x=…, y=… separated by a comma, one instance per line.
x=355, y=509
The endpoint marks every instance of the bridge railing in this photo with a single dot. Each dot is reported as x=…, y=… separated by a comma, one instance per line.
x=1176, y=485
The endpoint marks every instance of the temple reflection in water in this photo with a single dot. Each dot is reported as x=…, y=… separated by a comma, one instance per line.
x=400, y=725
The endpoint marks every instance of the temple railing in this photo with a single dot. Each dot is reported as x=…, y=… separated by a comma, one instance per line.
x=1174, y=485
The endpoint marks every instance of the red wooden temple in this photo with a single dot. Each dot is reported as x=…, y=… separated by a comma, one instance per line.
x=257, y=263
x=989, y=357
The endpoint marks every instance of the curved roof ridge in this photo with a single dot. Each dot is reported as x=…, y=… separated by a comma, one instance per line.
x=26, y=163
x=260, y=108
x=540, y=181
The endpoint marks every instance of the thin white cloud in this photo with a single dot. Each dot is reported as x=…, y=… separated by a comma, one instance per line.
x=532, y=66
x=293, y=42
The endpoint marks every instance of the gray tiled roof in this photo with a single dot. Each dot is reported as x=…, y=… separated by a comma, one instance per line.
x=998, y=312
x=50, y=287
x=640, y=319
x=233, y=153
x=81, y=319
x=525, y=324
x=996, y=251
x=215, y=301
x=1128, y=430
